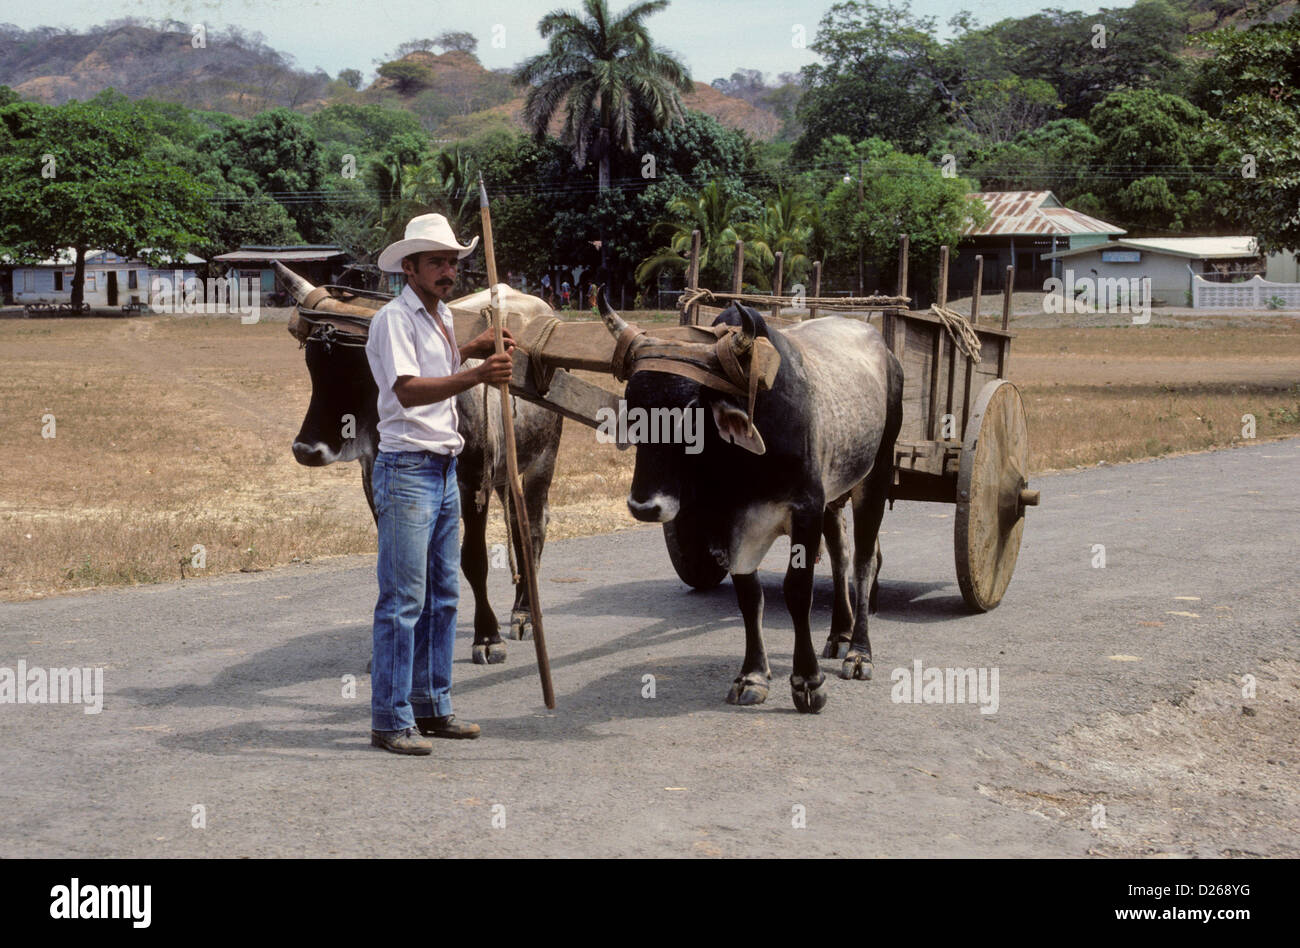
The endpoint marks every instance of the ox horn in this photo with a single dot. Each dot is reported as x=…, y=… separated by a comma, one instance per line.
x=318, y=297
x=743, y=341
x=612, y=320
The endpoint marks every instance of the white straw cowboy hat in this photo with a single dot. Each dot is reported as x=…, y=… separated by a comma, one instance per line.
x=424, y=233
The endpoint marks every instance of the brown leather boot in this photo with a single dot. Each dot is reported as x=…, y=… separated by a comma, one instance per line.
x=447, y=726
x=405, y=741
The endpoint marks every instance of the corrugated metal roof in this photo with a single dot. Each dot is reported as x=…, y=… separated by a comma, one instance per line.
x=1201, y=247
x=1034, y=213
x=1195, y=248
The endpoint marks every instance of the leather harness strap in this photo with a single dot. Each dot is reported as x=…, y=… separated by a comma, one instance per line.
x=619, y=364
x=630, y=357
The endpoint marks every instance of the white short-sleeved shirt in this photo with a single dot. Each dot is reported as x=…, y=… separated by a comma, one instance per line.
x=405, y=341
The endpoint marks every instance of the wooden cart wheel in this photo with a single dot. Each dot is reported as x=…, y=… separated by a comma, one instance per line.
x=691, y=558
x=992, y=493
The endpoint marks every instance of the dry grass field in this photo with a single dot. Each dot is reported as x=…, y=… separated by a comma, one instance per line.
x=175, y=432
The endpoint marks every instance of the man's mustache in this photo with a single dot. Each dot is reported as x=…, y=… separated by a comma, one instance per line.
x=445, y=282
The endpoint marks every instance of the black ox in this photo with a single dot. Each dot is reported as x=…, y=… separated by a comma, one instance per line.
x=342, y=385
x=822, y=436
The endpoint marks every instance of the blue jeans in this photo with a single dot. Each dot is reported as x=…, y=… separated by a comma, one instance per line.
x=418, y=506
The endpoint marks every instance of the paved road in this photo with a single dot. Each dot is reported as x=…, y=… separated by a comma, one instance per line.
x=227, y=693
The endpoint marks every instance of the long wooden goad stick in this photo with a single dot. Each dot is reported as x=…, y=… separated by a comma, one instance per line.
x=512, y=462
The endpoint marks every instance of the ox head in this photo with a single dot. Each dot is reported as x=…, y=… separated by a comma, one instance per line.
x=666, y=468
x=342, y=420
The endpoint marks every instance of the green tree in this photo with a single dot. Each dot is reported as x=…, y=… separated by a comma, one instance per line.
x=1256, y=99
x=407, y=77
x=786, y=226
x=457, y=40
x=1083, y=56
x=446, y=184
x=275, y=154
x=878, y=78
x=1001, y=109
x=1161, y=164
x=81, y=175
x=350, y=78
x=607, y=74
x=901, y=194
x=1059, y=157
x=715, y=213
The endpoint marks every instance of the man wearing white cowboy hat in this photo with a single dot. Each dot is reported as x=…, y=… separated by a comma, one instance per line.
x=417, y=367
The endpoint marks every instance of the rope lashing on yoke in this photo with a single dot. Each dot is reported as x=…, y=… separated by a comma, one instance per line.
x=532, y=340
x=960, y=330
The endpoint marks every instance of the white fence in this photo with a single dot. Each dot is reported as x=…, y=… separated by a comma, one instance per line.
x=1255, y=293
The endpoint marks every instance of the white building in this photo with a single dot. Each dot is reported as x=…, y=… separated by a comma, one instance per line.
x=1219, y=272
x=110, y=279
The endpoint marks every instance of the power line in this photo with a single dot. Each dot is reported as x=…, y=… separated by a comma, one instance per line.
x=1042, y=174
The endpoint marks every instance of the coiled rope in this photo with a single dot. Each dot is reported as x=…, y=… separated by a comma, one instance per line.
x=960, y=330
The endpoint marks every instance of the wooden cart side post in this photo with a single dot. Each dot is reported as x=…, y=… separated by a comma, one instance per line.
x=738, y=271
x=974, y=318
x=816, y=288
x=888, y=320
x=1004, y=346
x=936, y=352
x=691, y=315
x=776, y=283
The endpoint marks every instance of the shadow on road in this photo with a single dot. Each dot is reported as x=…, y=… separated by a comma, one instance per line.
x=660, y=613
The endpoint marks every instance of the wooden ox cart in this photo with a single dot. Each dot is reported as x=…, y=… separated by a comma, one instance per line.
x=963, y=439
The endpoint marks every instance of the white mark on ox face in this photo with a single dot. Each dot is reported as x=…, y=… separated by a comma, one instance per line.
x=659, y=508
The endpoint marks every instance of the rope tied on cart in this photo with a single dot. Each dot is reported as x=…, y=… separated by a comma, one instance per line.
x=960, y=330
x=701, y=295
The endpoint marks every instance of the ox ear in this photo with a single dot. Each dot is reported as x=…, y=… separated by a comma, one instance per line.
x=733, y=426
x=296, y=327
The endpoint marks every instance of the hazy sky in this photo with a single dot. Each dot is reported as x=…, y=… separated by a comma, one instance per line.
x=713, y=37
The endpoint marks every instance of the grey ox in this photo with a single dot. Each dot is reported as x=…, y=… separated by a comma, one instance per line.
x=823, y=435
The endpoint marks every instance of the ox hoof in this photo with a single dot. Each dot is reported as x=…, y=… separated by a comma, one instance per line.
x=489, y=653
x=521, y=625
x=810, y=694
x=856, y=665
x=835, y=648
x=748, y=689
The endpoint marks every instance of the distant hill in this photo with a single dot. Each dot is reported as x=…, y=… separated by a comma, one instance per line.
x=458, y=80
x=238, y=73
x=1212, y=14
x=234, y=72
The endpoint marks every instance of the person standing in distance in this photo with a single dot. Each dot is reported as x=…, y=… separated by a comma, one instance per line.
x=417, y=367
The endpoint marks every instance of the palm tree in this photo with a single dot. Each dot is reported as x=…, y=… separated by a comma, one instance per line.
x=714, y=214
x=445, y=184
x=786, y=225
x=608, y=75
